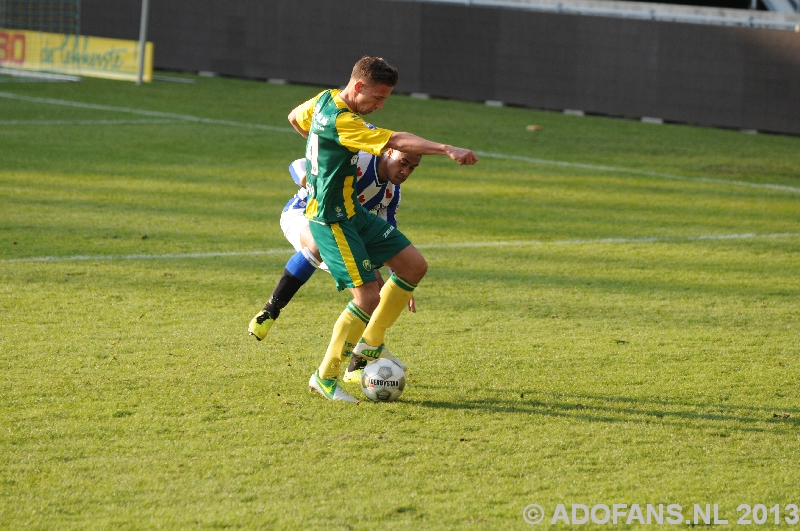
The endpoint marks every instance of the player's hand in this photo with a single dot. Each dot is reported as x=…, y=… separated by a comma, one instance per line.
x=464, y=157
x=412, y=306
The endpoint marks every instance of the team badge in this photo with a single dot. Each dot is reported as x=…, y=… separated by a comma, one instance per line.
x=367, y=265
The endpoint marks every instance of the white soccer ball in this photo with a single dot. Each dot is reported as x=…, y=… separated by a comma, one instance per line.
x=383, y=381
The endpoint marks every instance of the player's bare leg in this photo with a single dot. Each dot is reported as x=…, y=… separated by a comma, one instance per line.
x=409, y=268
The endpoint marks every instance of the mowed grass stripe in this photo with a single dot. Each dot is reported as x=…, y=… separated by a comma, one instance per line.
x=87, y=122
x=577, y=338
x=145, y=112
x=644, y=239
x=532, y=160
x=659, y=175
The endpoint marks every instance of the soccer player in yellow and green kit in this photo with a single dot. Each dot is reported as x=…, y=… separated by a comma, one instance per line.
x=351, y=240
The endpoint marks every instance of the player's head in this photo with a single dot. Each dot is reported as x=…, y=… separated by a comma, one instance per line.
x=372, y=82
x=400, y=165
x=374, y=71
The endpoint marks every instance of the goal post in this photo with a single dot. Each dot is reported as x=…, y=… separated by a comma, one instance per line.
x=50, y=16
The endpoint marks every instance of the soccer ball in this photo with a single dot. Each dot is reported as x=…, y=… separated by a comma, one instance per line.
x=383, y=381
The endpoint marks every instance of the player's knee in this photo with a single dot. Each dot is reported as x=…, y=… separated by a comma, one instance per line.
x=367, y=297
x=311, y=257
x=306, y=240
x=421, y=268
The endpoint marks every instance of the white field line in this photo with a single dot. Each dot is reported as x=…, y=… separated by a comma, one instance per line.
x=613, y=169
x=144, y=112
x=87, y=122
x=523, y=243
x=84, y=258
x=501, y=156
x=646, y=239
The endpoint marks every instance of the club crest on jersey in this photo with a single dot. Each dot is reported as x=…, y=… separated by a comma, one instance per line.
x=367, y=265
x=354, y=160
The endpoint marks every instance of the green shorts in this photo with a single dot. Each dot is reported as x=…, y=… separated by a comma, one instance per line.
x=353, y=248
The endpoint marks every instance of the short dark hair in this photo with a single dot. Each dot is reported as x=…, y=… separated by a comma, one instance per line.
x=375, y=71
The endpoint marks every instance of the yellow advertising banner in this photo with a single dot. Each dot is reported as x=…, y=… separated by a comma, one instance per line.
x=74, y=54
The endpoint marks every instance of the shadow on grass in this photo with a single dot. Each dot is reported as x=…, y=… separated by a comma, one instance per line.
x=596, y=408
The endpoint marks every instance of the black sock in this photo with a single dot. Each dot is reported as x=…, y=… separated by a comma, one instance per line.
x=286, y=289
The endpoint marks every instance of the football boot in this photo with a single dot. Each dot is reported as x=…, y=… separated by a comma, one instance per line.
x=329, y=388
x=370, y=353
x=260, y=325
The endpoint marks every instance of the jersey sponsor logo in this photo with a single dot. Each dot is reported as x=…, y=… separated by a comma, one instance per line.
x=386, y=234
x=370, y=126
x=320, y=121
x=367, y=265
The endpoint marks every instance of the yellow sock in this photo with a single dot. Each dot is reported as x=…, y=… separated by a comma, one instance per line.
x=394, y=297
x=351, y=318
x=356, y=331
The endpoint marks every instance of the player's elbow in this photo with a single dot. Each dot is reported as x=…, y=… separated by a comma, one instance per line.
x=297, y=126
x=396, y=141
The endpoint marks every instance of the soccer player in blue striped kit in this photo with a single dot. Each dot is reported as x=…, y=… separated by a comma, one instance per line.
x=378, y=183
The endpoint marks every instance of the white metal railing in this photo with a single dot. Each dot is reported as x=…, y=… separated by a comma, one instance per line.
x=648, y=11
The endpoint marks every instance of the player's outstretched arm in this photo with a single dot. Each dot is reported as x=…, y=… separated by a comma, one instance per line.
x=411, y=143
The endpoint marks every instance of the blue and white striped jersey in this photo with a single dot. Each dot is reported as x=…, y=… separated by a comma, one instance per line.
x=380, y=198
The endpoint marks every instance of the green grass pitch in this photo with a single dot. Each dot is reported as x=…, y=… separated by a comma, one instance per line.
x=610, y=317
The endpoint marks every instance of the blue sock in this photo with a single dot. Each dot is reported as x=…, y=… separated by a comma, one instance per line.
x=299, y=267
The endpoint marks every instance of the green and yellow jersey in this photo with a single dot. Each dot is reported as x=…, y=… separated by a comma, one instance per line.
x=335, y=136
